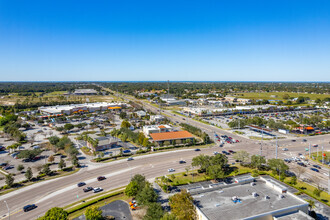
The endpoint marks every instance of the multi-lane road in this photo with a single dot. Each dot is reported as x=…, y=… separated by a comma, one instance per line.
x=63, y=191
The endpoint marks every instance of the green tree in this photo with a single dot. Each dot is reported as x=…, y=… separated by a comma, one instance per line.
x=68, y=126
x=29, y=154
x=10, y=180
x=147, y=195
x=278, y=166
x=132, y=189
x=154, y=211
x=202, y=161
x=93, y=213
x=20, y=167
x=140, y=180
x=182, y=206
x=257, y=161
x=168, y=216
x=54, y=140
x=215, y=172
x=29, y=174
x=61, y=164
x=55, y=214
x=125, y=124
x=75, y=161
x=242, y=156
x=46, y=170
x=293, y=180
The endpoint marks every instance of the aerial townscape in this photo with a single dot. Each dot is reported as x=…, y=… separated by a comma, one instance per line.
x=154, y=110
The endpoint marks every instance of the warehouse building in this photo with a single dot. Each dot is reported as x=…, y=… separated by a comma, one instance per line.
x=85, y=92
x=149, y=129
x=80, y=108
x=247, y=198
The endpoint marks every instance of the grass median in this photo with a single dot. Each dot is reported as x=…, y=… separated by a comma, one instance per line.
x=78, y=208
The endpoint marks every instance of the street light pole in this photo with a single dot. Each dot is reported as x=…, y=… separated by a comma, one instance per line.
x=8, y=210
x=276, y=147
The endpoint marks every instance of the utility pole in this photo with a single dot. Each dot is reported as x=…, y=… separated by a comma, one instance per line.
x=262, y=138
x=276, y=148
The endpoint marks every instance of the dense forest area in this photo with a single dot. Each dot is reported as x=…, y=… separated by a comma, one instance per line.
x=31, y=88
x=180, y=89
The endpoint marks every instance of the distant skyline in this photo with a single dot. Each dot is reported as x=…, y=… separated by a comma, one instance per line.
x=240, y=40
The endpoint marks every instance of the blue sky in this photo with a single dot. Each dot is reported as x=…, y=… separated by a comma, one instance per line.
x=236, y=40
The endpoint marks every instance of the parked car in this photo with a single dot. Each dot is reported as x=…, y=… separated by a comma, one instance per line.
x=87, y=189
x=8, y=167
x=97, y=189
x=3, y=164
x=101, y=178
x=231, y=151
x=2, y=148
x=317, y=166
x=215, y=152
x=81, y=184
x=171, y=170
x=29, y=207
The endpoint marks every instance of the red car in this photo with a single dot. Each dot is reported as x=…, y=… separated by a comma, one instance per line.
x=101, y=178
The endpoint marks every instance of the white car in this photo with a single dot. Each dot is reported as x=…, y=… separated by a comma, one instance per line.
x=285, y=149
x=326, y=174
x=98, y=189
x=215, y=152
x=171, y=170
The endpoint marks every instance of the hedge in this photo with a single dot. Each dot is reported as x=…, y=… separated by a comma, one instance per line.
x=91, y=202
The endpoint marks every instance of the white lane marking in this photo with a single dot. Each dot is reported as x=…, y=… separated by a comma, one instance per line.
x=75, y=186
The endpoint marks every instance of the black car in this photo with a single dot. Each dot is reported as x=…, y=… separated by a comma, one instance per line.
x=314, y=169
x=301, y=164
x=182, y=161
x=29, y=207
x=81, y=184
x=87, y=189
x=293, y=140
x=197, y=149
x=3, y=164
x=101, y=178
x=317, y=166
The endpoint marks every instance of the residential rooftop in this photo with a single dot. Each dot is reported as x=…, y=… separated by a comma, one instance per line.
x=172, y=135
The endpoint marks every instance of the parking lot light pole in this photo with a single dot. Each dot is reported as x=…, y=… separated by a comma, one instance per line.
x=8, y=210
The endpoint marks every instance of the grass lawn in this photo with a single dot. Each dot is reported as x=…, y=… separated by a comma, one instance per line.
x=55, y=93
x=319, y=157
x=60, y=174
x=259, y=138
x=267, y=95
